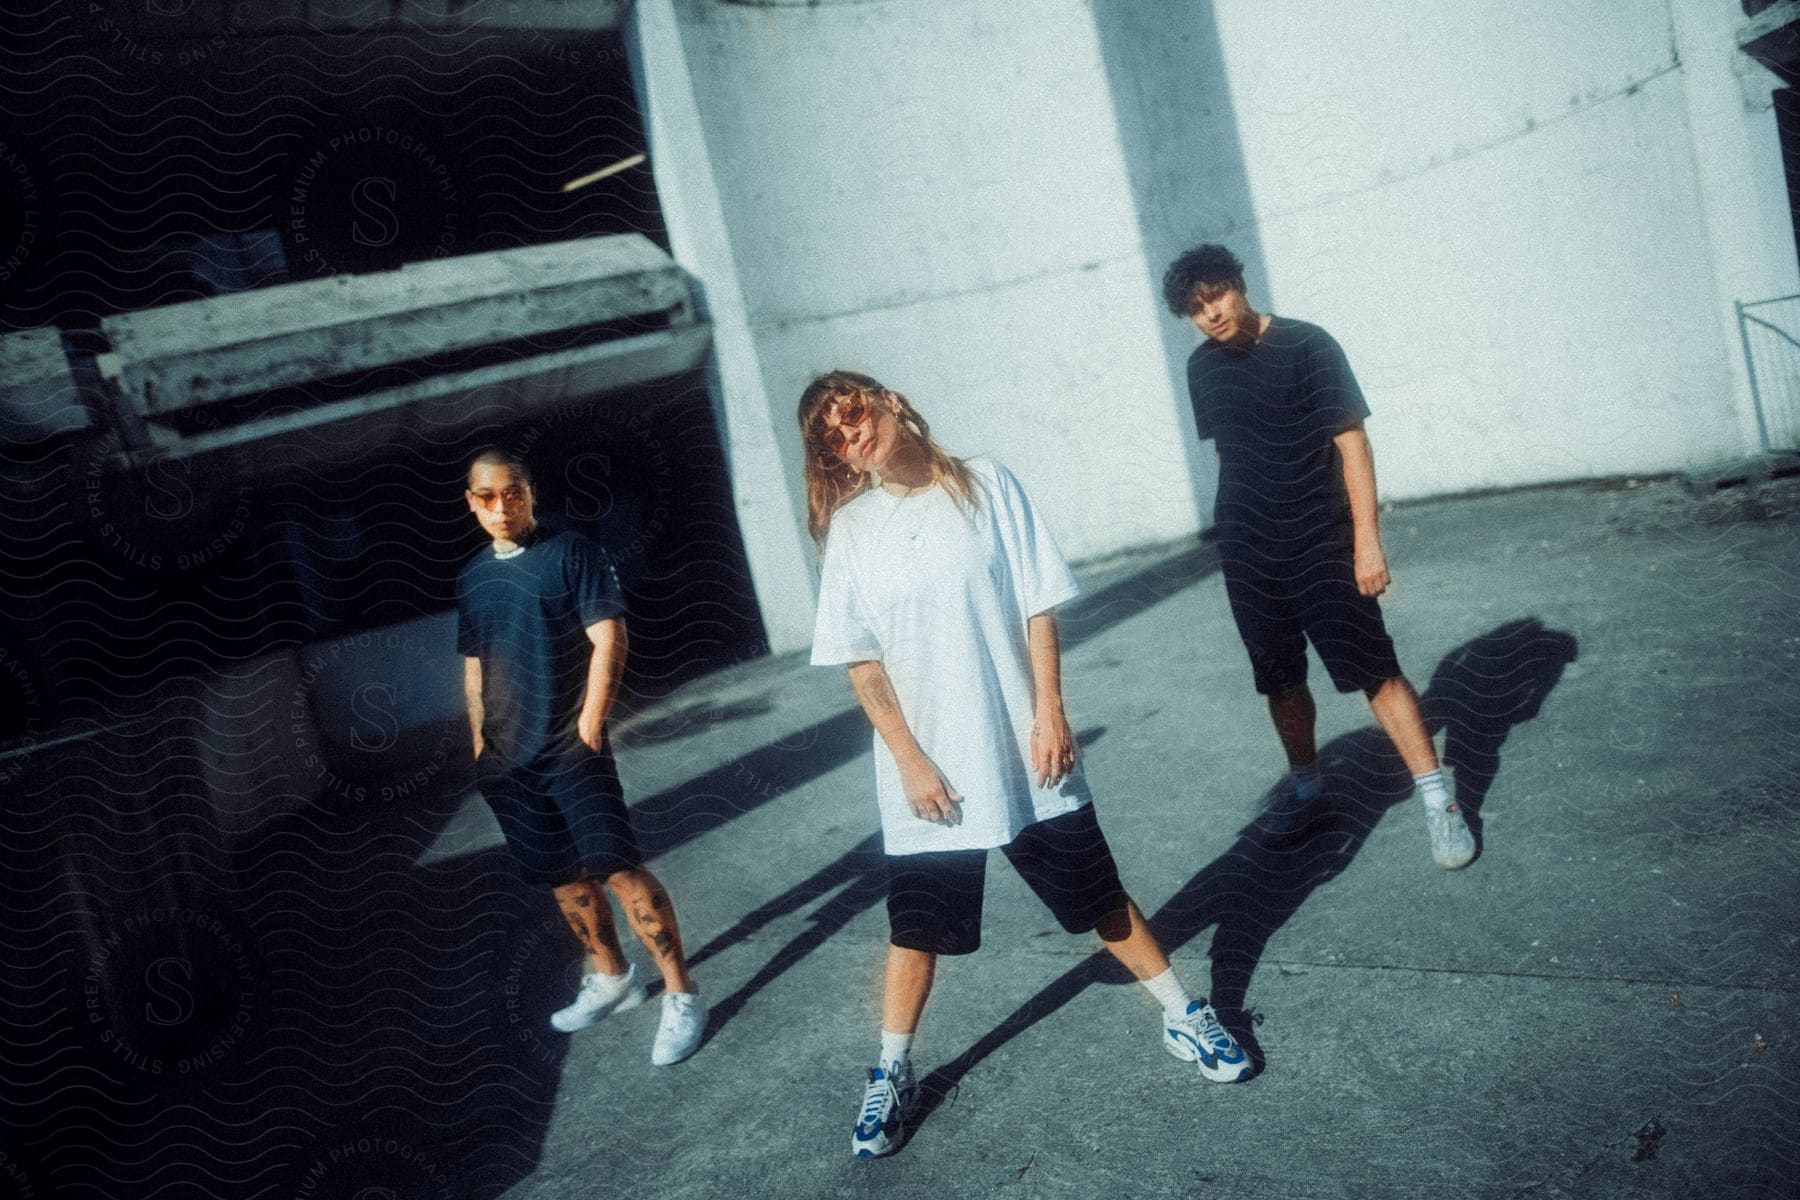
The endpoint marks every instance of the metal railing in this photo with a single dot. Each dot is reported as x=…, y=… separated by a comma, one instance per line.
x=1772, y=356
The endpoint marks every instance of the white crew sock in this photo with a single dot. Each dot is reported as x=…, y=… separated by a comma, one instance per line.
x=1432, y=790
x=1169, y=993
x=896, y=1053
x=1307, y=782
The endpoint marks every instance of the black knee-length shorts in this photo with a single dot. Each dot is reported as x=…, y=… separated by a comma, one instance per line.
x=563, y=813
x=1281, y=598
x=934, y=899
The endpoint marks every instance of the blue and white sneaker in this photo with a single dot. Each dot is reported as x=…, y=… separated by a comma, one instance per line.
x=1197, y=1037
x=881, y=1125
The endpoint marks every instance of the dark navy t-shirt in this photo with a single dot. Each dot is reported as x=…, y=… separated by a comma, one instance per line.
x=1272, y=408
x=526, y=618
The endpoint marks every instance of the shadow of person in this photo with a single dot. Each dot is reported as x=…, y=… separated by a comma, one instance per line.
x=1479, y=692
x=859, y=880
x=1485, y=687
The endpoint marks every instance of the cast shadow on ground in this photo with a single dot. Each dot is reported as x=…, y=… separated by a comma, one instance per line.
x=1477, y=695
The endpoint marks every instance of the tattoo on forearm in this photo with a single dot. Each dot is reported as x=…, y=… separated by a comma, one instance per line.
x=879, y=693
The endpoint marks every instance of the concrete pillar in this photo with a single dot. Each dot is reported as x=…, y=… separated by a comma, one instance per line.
x=765, y=494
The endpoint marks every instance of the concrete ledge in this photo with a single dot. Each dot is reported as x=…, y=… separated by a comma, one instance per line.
x=38, y=398
x=189, y=355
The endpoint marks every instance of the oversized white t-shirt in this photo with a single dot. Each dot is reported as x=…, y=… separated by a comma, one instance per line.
x=941, y=597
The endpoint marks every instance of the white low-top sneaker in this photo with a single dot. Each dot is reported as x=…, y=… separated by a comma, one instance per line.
x=678, y=1033
x=599, y=996
x=1452, y=843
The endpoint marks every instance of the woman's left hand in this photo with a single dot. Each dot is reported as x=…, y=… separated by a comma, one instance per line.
x=1052, y=747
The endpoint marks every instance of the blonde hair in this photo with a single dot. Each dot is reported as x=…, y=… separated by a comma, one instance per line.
x=832, y=483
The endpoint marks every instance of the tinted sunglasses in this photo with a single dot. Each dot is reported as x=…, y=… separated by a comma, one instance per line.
x=852, y=411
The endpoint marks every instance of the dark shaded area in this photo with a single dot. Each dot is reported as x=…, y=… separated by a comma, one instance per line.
x=115, y=587
x=1478, y=694
x=150, y=159
x=175, y=996
x=1787, y=128
x=310, y=1015
x=152, y=166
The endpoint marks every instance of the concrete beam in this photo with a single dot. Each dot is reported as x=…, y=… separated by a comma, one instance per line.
x=38, y=398
x=188, y=355
x=291, y=440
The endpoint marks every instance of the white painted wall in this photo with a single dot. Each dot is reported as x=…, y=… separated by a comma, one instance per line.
x=1525, y=219
x=1501, y=211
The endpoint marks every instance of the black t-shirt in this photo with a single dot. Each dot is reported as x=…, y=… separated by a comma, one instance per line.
x=1273, y=408
x=525, y=617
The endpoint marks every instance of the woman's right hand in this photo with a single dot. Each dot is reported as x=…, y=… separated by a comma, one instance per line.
x=928, y=794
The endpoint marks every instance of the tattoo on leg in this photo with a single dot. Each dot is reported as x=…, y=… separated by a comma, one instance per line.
x=653, y=932
x=590, y=924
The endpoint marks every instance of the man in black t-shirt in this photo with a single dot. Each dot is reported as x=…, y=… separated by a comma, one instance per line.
x=1297, y=523
x=540, y=623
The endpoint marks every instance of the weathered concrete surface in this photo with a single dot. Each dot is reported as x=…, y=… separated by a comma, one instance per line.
x=37, y=392
x=190, y=354
x=1606, y=1003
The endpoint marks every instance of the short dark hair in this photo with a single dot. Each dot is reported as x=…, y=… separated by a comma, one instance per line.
x=1204, y=264
x=500, y=456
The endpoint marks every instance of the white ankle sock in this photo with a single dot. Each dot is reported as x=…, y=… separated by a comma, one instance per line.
x=1307, y=781
x=1169, y=993
x=1432, y=790
x=896, y=1051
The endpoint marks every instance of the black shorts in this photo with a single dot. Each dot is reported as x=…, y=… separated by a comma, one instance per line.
x=1281, y=601
x=934, y=899
x=563, y=813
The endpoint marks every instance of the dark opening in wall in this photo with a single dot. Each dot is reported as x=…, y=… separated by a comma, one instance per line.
x=142, y=168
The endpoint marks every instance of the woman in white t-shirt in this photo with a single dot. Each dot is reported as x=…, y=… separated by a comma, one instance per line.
x=937, y=588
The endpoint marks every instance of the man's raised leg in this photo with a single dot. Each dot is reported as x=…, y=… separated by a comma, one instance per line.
x=1396, y=707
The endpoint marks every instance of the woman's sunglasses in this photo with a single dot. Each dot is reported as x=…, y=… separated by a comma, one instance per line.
x=852, y=411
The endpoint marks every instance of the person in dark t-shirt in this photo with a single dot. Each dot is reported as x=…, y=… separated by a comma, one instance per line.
x=540, y=624
x=1297, y=524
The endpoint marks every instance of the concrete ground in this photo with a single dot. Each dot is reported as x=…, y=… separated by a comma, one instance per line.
x=1606, y=1003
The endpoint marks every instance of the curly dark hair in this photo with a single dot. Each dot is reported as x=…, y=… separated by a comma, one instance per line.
x=1204, y=264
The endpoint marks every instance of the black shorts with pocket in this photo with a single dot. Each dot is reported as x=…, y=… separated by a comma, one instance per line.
x=563, y=813
x=934, y=899
x=1283, y=598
